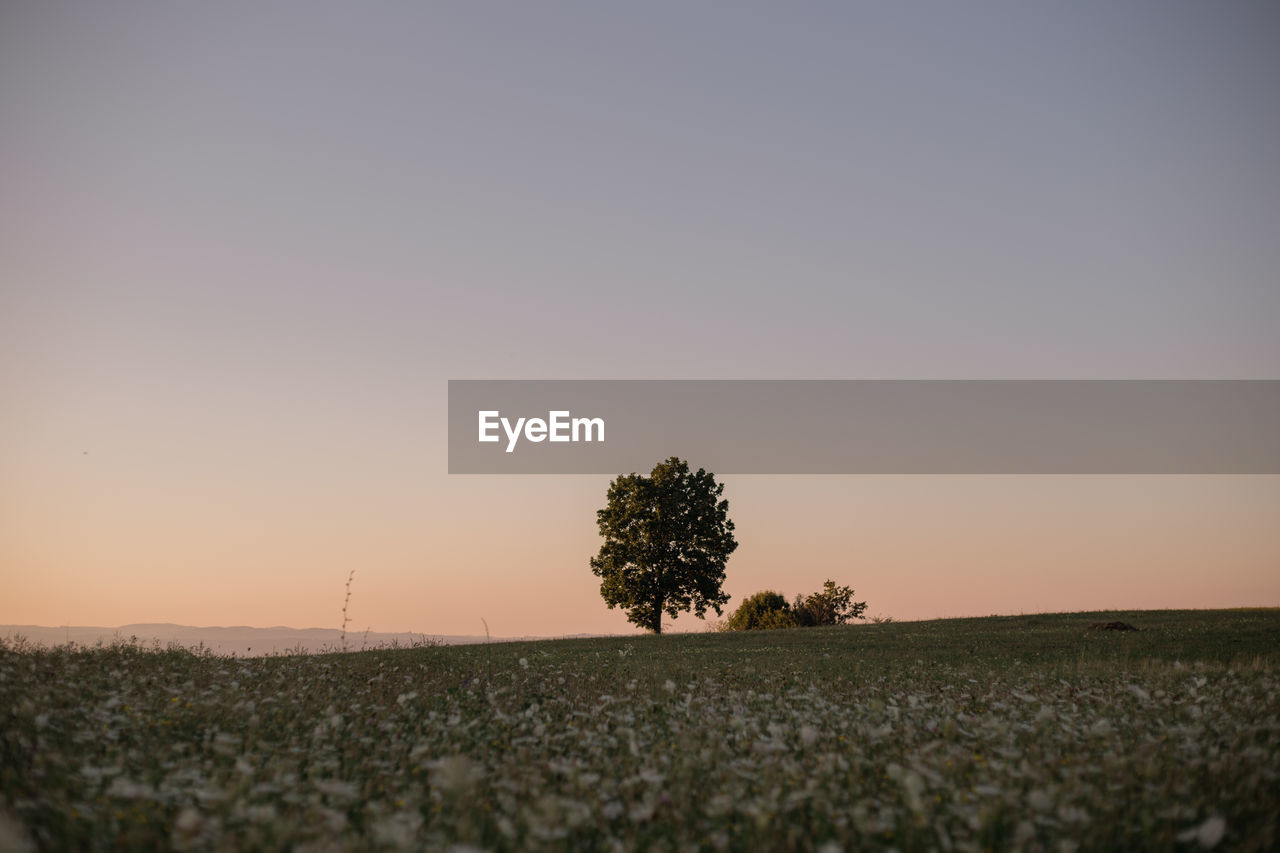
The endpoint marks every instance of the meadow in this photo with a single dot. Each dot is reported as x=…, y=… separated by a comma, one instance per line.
x=1020, y=732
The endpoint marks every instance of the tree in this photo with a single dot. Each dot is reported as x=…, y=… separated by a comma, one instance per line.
x=762, y=611
x=832, y=605
x=667, y=538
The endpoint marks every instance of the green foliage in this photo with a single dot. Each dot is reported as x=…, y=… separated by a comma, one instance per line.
x=832, y=605
x=762, y=611
x=667, y=538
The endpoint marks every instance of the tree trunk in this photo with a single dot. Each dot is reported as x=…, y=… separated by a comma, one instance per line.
x=657, y=617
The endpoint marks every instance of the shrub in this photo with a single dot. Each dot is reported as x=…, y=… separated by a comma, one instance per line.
x=763, y=611
x=832, y=605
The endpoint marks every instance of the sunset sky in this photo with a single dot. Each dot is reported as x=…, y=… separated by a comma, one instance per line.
x=243, y=247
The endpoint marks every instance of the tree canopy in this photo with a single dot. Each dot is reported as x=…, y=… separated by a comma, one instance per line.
x=667, y=538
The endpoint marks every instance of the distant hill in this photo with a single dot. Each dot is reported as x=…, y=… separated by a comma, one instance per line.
x=238, y=639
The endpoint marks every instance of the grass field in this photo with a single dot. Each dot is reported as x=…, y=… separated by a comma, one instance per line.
x=1021, y=732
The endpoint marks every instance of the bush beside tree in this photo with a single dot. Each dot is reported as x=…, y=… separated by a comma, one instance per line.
x=761, y=612
x=831, y=605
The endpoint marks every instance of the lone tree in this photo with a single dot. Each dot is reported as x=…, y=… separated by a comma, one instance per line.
x=667, y=538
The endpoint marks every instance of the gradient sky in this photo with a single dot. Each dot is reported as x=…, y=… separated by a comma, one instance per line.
x=243, y=247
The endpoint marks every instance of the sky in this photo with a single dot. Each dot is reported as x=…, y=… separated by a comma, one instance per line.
x=243, y=247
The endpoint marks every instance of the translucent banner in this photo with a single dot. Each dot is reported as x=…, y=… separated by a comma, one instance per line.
x=866, y=426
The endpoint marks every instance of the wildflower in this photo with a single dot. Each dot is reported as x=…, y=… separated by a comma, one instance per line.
x=261, y=814
x=190, y=828
x=398, y=830
x=1040, y=800
x=454, y=773
x=130, y=790
x=336, y=788
x=1207, y=834
x=13, y=836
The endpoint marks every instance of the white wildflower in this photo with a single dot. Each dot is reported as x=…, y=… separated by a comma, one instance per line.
x=1207, y=834
x=261, y=814
x=190, y=829
x=1040, y=800
x=130, y=790
x=336, y=788
x=642, y=811
x=651, y=776
x=14, y=836
x=913, y=788
x=398, y=830
x=719, y=806
x=225, y=743
x=454, y=773
x=334, y=820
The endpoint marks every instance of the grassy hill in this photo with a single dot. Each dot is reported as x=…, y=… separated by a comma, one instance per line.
x=1013, y=732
